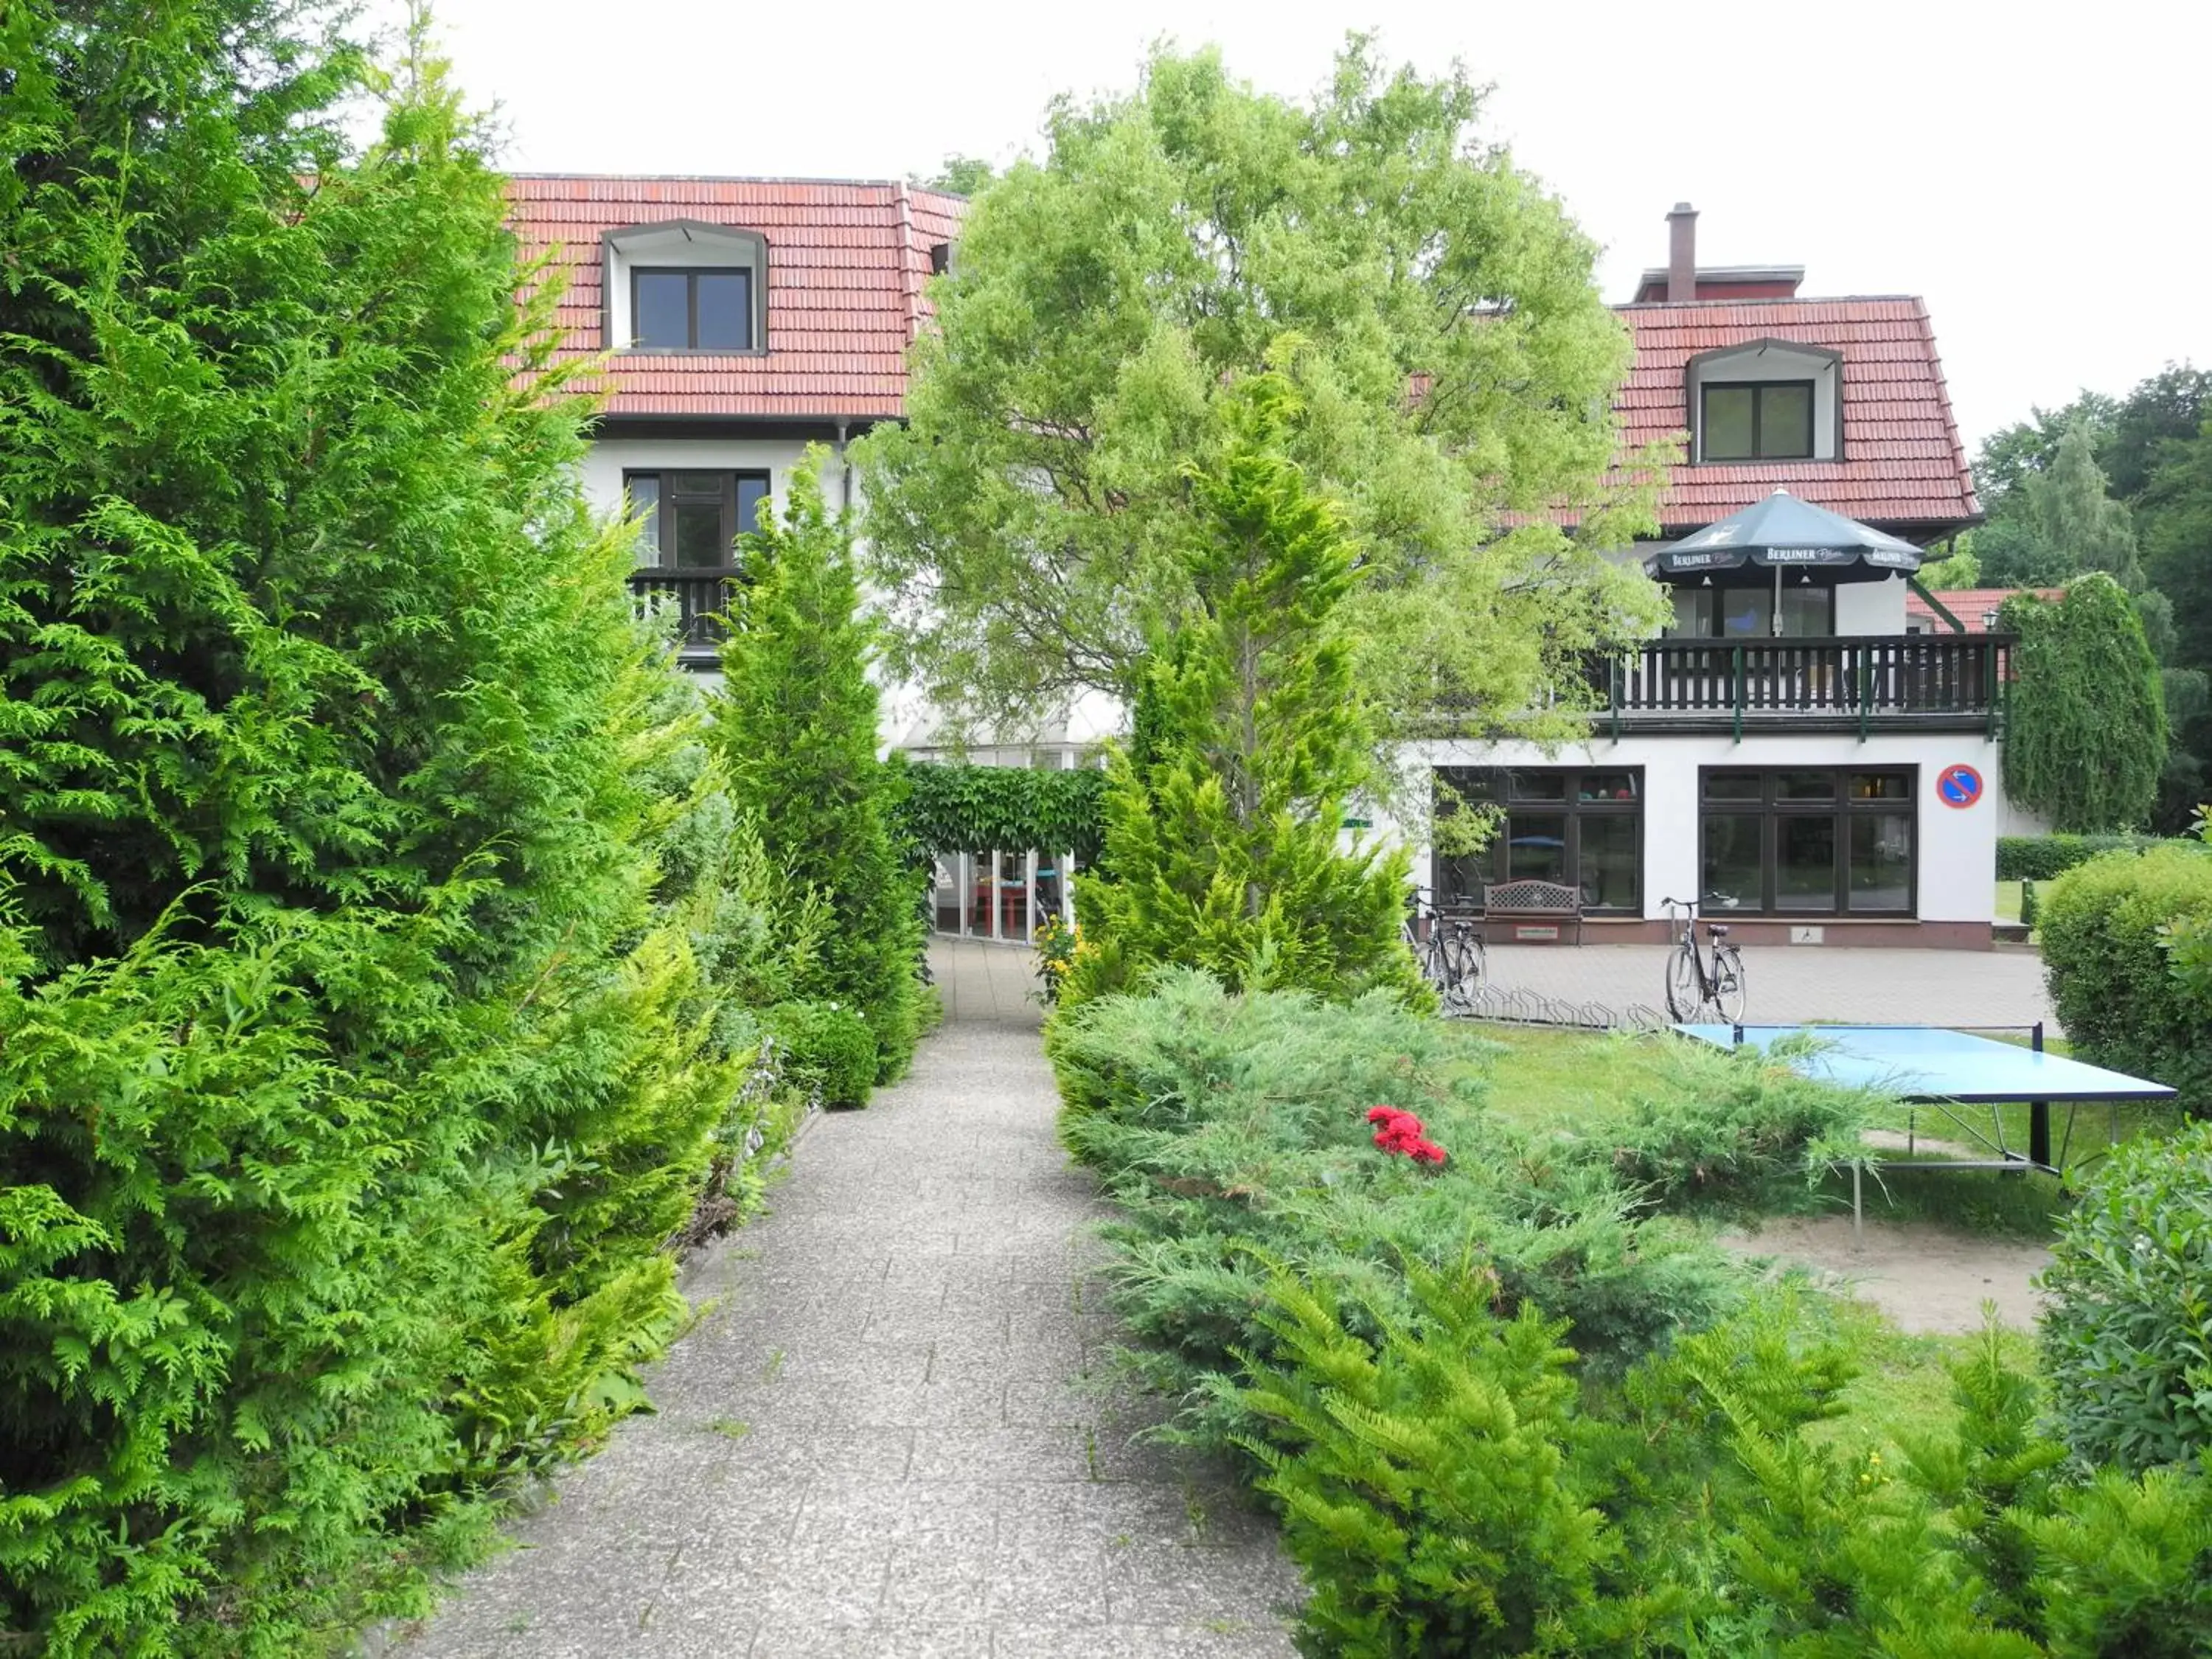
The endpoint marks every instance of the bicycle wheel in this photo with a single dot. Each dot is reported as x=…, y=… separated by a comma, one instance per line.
x=1425, y=957
x=1685, y=995
x=1458, y=968
x=1728, y=984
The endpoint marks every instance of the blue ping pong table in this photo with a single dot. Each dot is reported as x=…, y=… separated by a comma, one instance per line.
x=1931, y=1066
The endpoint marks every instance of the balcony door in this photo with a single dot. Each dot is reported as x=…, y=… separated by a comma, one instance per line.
x=688, y=520
x=1808, y=611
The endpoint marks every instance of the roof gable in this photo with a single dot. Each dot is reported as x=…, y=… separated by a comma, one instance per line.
x=847, y=266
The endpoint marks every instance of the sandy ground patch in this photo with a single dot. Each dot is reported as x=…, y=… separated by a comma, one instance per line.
x=1928, y=1280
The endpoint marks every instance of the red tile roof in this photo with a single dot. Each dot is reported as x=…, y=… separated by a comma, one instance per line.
x=847, y=263
x=1970, y=605
x=1903, y=463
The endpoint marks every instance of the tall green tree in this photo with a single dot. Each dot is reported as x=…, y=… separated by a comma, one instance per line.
x=353, y=1075
x=2072, y=509
x=2059, y=518
x=2166, y=408
x=1225, y=839
x=2177, y=514
x=1458, y=364
x=2086, y=735
x=2012, y=455
x=795, y=724
x=2008, y=551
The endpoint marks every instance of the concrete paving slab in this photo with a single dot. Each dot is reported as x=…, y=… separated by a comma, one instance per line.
x=1861, y=985
x=894, y=1435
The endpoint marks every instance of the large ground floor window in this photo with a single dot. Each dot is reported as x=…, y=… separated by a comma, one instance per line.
x=1581, y=826
x=993, y=894
x=1812, y=842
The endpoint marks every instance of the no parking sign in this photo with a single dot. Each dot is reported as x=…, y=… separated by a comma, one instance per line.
x=1959, y=786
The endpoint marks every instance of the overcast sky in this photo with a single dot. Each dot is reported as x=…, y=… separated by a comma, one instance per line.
x=2044, y=185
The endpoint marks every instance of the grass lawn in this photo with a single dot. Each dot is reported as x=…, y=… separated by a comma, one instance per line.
x=1904, y=1389
x=2008, y=901
x=1547, y=1076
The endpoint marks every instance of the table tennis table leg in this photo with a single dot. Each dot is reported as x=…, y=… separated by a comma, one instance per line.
x=2038, y=1134
x=1858, y=1206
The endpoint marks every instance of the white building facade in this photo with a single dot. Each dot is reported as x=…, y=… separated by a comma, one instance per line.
x=1792, y=752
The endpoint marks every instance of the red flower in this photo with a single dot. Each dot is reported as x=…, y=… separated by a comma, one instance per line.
x=1399, y=1130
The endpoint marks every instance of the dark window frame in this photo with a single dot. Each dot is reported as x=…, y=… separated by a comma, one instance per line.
x=692, y=274
x=1772, y=806
x=1759, y=389
x=1719, y=617
x=728, y=495
x=1498, y=791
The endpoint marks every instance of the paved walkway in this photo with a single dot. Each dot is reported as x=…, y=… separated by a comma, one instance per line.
x=892, y=1437
x=1863, y=985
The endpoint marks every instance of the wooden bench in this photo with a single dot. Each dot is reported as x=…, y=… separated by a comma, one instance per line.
x=1531, y=911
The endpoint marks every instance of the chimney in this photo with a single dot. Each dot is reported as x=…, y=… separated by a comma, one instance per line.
x=1682, y=254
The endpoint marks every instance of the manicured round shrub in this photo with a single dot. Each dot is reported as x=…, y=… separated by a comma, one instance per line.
x=2104, y=931
x=2127, y=1340
x=827, y=1046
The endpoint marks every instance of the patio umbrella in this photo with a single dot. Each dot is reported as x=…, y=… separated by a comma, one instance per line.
x=1786, y=533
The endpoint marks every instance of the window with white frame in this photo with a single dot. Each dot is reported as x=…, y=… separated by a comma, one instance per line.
x=1765, y=400
x=683, y=286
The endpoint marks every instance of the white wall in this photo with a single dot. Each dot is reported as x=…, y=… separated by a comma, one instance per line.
x=610, y=457
x=1776, y=363
x=1956, y=848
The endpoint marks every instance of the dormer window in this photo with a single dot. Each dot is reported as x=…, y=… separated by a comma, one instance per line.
x=683, y=285
x=1759, y=420
x=691, y=310
x=1765, y=400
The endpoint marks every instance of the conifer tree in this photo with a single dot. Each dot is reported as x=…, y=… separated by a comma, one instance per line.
x=1225, y=829
x=796, y=726
x=353, y=1077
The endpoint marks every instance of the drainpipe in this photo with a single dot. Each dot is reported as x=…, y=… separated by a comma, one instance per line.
x=844, y=469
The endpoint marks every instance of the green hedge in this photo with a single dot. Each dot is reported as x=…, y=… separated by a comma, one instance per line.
x=2046, y=858
x=826, y=1046
x=1221, y=1122
x=1392, y=1341
x=2103, y=930
x=2128, y=1328
x=947, y=808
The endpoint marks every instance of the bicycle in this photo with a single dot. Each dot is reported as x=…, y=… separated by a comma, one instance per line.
x=1447, y=945
x=1695, y=983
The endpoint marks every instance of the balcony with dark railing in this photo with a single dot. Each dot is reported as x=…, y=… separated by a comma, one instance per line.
x=1866, y=683
x=698, y=597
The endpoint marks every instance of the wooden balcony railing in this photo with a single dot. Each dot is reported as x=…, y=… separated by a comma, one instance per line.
x=1954, y=682
x=698, y=597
